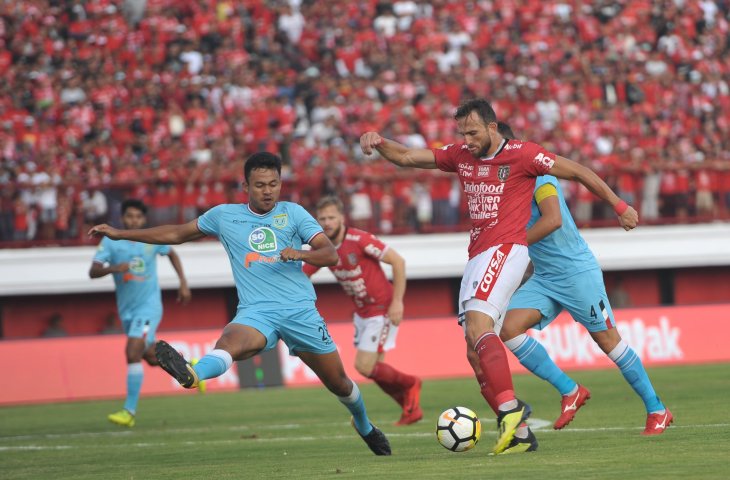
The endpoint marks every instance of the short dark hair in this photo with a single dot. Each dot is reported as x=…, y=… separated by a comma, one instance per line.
x=265, y=160
x=134, y=203
x=478, y=105
x=505, y=130
x=330, y=200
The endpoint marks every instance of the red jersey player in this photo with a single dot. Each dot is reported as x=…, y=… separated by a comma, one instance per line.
x=498, y=177
x=378, y=304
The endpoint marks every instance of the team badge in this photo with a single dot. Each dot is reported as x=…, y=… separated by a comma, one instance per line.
x=262, y=240
x=352, y=259
x=503, y=173
x=281, y=220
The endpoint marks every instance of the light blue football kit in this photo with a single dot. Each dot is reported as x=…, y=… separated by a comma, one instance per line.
x=139, y=300
x=567, y=276
x=274, y=297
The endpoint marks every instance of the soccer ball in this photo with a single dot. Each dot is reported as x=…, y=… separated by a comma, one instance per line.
x=458, y=429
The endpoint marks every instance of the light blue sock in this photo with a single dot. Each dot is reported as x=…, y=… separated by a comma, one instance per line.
x=213, y=364
x=633, y=371
x=135, y=375
x=356, y=406
x=533, y=356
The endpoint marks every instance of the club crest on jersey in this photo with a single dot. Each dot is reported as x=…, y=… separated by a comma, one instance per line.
x=483, y=171
x=352, y=259
x=281, y=220
x=503, y=173
x=262, y=240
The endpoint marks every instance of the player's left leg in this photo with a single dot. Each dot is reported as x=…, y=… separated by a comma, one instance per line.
x=374, y=336
x=134, y=351
x=328, y=367
x=658, y=416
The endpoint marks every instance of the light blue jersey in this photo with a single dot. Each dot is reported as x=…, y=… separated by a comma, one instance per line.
x=567, y=275
x=253, y=243
x=137, y=290
x=564, y=252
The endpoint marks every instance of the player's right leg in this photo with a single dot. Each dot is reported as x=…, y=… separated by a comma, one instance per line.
x=530, y=308
x=489, y=281
x=134, y=351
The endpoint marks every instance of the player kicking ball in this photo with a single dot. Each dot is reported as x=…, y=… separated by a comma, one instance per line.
x=378, y=304
x=263, y=239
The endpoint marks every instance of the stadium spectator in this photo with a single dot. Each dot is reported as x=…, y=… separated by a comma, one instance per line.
x=55, y=327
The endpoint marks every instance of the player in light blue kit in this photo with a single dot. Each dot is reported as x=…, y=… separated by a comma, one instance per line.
x=139, y=302
x=567, y=277
x=276, y=300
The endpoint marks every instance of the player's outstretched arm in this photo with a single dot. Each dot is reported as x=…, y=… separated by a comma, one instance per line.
x=322, y=254
x=162, y=235
x=395, y=310
x=99, y=270
x=570, y=170
x=396, y=153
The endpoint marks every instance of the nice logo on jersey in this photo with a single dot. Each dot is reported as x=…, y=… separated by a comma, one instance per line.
x=136, y=265
x=262, y=240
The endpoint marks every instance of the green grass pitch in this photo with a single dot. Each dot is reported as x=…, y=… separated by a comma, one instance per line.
x=305, y=433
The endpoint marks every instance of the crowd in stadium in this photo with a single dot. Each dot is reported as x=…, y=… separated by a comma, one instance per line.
x=164, y=100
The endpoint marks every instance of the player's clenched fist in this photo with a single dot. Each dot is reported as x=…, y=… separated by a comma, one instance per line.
x=629, y=219
x=104, y=230
x=368, y=141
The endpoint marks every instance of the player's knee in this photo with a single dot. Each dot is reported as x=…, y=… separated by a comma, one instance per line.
x=340, y=386
x=365, y=365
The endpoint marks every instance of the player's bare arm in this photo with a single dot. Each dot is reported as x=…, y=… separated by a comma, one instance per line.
x=322, y=254
x=99, y=270
x=550, y=220
x=162, y=235
x=183, y=293
x=395, y=310
x=570, y=170
x=397, y=153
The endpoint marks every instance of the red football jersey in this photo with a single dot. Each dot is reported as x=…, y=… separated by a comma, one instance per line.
x=360, y=274
x=498, y=189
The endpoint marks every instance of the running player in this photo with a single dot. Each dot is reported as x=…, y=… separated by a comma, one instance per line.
x=263, y=239
x=567, y=277
x=139, y=301
x=498, y=177
x=378, y=304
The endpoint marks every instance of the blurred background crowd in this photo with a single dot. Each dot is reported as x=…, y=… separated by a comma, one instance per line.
x=163, y=100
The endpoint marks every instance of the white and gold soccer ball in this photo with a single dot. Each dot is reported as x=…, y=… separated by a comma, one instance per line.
x=458, y=429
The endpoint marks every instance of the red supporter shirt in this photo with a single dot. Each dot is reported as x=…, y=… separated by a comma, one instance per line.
x=360, y=274
x=498, y=189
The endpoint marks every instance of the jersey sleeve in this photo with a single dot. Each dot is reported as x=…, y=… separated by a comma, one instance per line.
x=372, y=246
x=537, y=160
x=307, y=226
x=446, y=157
x=104, y=251
x=209, y=222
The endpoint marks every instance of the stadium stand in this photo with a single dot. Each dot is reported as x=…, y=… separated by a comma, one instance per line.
x=163, y=100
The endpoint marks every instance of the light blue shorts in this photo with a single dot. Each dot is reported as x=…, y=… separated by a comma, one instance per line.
x=583, y=295
x=301, y=328
x=142, y=325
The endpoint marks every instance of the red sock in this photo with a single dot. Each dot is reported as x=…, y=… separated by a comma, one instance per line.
x=487, y=392
x=495, y=368
x=391, y=381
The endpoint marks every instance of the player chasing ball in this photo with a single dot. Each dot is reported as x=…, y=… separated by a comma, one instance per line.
x=263, y=239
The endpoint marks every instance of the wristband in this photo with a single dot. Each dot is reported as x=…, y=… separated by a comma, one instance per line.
x=620, y=208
